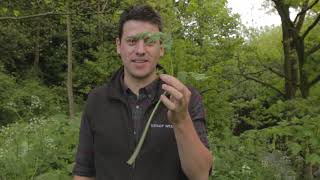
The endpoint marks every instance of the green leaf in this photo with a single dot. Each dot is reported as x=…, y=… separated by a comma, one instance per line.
x=47, y=1
x=70, y=167
x=16, y=13
x=151, y=38
x=315, y=141
x=295, y=148
x=4, y=10
x=52, y=175
x=198, y=77
x=313, y=159
x=182, y=76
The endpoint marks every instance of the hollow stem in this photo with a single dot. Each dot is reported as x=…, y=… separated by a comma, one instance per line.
x=136, y=152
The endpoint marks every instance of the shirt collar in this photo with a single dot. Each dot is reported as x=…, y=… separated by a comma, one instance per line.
x=150, y=90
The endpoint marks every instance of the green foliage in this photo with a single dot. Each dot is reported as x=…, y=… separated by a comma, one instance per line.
x=96, y=71
x=294, y=134
x=26, y=99
x=43, y=148
x=241, y=158
x=150, y=39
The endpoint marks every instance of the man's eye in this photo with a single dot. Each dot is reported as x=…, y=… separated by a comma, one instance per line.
x=131, y=41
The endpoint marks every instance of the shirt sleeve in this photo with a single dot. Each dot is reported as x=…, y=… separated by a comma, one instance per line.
x=197, y=113
x=84, y=165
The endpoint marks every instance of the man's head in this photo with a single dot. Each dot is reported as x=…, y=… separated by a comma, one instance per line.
x=139, y=57
x=139, y=13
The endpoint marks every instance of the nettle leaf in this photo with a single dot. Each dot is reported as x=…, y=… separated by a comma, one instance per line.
x=295, y=148
x=167, y=41
x=142, y=35
x=313, y=158
x=4, y=10
x=182, y=76
x=52, y=175
x=198, y=76
x=16, y=13
x=70, y=167
x=295, y=120
x=151, y=38
x=307, y=132
x=159, y=71
x=47, y=1
x=315, y=141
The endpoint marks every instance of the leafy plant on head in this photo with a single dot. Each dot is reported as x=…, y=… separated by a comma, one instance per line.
x=151, y=38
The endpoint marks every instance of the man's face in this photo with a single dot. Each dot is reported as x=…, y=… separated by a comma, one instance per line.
x=138, y=57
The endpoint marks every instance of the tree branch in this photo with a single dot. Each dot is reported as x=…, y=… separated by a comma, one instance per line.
x=45, y=14
x=210, y=89
x=34, y=16
x=278, y=73
x=275, y=71
x=313, y=50
x=299, y=20
x=314, y=81
x=104, y=6
x=304, y=9
x=264, y=84
x=283, y=11
x=311, y=26
x=257, y=80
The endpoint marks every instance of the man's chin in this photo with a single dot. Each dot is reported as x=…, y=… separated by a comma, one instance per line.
x=142, y=76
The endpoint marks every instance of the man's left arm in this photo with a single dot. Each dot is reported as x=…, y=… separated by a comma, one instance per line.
x=196, y=159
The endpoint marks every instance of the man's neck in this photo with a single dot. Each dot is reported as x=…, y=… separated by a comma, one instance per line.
x=135, y=84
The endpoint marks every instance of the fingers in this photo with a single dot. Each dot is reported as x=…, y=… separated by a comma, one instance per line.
x=173, y=92
x=178, y=102
x=170, y=105
x=175, y=103
x=172, y=81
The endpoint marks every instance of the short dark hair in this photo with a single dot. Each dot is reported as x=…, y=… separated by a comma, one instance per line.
x=141, y=13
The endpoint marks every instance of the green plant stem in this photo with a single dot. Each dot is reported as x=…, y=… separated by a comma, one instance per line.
x=36, y=169
x=18, y=115
x=133, y=157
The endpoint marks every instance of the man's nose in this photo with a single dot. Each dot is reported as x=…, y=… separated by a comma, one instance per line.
x=140, y=48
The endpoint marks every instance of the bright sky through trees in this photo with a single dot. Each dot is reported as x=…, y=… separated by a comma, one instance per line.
x=253, y=14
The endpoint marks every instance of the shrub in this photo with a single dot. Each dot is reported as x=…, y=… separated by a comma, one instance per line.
x=43, y=148
x=26, y=99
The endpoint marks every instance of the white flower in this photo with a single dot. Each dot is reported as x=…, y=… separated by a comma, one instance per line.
x=264, y=163
x=246, y=169
x=11, y=105
x=35, y=102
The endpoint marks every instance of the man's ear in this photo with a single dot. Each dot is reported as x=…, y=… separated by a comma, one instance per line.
x=118, y=45
x=162, y=51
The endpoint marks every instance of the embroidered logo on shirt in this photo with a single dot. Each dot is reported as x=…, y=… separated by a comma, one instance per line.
x=161, y=125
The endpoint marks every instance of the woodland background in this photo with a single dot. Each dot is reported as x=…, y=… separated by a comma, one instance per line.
x=261, y=87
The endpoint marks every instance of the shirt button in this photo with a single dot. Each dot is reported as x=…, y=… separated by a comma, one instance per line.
x=137, y=107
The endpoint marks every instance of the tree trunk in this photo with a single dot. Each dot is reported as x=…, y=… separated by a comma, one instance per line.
x=36, y=52
x=304, y=84
x=69, y=75
x=290, y=62
x=307, y=170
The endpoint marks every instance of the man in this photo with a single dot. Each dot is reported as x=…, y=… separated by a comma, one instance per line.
x=115, y=115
